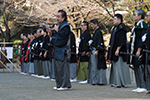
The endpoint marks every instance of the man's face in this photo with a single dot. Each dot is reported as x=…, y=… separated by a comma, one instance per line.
x=25, y=37
x=43, y=32
x=83, y=27
x=59, y=18
x=29, y=36
x=116, y=21
x=148, y=17
x=93, y=26
x=38, y=33
x=21, y=36
x=136, y=17
x=35, y=34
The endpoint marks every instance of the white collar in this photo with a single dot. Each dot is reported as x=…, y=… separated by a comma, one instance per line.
x=139, y=22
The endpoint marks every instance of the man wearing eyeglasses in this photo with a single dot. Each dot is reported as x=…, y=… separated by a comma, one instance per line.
x=82, y=73
x=136, y=48
x=146, y=42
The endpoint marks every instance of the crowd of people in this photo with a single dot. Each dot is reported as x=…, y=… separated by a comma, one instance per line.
x=51, y=53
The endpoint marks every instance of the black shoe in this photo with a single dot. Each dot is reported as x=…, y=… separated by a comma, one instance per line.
x=123, y=86
x=101, y=84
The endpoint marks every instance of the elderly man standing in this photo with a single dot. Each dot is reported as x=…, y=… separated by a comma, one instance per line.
x=61, y=52
x=146, y=43
x=136, y=48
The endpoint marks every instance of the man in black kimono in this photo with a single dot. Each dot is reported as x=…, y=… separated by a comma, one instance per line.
x=20, y=52
x=146, y=42
x=51, y=55
x=31, y=63
x=136, y=49
x=27, y=54
x=39, y=62
x=44, y=54
x=31, y=58
x=24, y=53
x=97, y=63
x=119, y=75
x=73, y=58
x=82, y=73
x=35, y=51
x=61, y=52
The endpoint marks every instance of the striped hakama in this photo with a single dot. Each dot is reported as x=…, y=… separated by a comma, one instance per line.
x=119, y=74
x=96, y=76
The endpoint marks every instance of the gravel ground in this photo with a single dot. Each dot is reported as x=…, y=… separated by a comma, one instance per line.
x=14, y=86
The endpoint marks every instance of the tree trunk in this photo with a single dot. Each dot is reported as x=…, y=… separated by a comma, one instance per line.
x=7, y=39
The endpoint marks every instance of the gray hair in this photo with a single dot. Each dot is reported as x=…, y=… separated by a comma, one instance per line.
x=141, y=12
x=39, y=30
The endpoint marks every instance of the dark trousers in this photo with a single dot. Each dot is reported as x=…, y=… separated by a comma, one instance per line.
x=147, y=75
x=45, y=68
x=139, y=76
x=62, y=74
x=22, y=66
x=35, y=67
x=51, y=68
x=39, y=67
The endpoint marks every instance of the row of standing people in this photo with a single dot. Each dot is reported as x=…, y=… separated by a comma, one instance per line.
x=37, y=55
x=92, y=68
x=118, y=55
x=139, y=40
x=92, y=63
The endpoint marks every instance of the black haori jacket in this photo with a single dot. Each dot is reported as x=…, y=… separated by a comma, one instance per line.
x=83, y=46
x=98, y=43
x=31, y=50
x=45, y=46
x=118, y=38
x=35, y=48
x=73, y=48
x=40, y=43
x=146, y=44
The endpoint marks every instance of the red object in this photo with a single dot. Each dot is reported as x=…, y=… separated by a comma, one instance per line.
x=53, y=52
x=22, y=46
x=77, y=63
x=27, y=52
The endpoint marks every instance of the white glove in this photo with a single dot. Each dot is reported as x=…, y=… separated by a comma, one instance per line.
x=144, y=37
x=90, y=42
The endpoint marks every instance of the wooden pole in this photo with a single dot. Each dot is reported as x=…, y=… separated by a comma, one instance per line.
x=4, y=43
x=10, y=61
x=4, y=65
